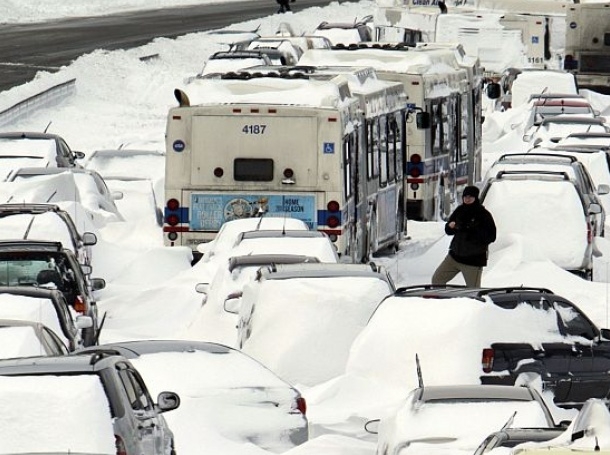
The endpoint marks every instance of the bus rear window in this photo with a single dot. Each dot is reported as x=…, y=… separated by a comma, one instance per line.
x=253, y=169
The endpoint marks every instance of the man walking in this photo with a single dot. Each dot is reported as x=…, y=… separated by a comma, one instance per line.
x=284, y=5
x=473, y=229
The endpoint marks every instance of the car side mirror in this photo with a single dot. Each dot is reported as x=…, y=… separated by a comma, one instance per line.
x=168, y=401
x=202, y=288
x=89, y=238
x=83, y=322
x=594, y=209
x=493, y=90
x=233, y=302
x=527, y=137
x=603, y=188
x=116, y=195
x=422, y=120
x=605, y=334
x=78, y=155
x=98, y=284
x=372, y=426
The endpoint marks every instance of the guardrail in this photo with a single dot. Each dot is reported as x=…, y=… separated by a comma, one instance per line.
x=42, y=99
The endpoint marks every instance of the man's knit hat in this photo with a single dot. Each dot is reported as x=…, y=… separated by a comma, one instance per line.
x=471, y=191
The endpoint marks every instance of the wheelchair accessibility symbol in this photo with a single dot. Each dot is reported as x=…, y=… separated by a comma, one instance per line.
x=329, y=147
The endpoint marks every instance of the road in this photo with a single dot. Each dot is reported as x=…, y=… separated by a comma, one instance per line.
x=26, y=49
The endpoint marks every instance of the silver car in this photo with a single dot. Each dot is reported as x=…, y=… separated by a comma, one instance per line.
x=137, y=421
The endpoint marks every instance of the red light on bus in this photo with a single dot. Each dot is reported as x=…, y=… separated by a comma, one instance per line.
x=288, y=173
x=172, y=220
x=414, y=172
x=254, y=111
x=176, y=117
x=272, y=111
x=173, y=204
x=333, y=206
x=415, y=83
x=237, y=111
x=332, y=119
x=218, y=172
x=332, y=221
x=415, y=158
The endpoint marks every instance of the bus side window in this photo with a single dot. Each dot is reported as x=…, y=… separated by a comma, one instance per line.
x=392, y=152
x=383, y=151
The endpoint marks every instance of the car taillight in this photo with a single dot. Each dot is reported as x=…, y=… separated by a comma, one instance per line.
x=79, y=305
x=120, y=445
x=302, y=405
x=487, y=361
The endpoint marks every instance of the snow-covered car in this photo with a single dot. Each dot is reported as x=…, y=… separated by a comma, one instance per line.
x=221, y=388
x=545, y=200
x=45, y=222
x=47, y=307
x=229, y=232
x=332, y=304
x=214, y=321
x=22, y=338
x=540, y=159
x=25, y=148
x=38, y=263
x=551, y=129
x=114, y=410
x=455, y=418
x=60, y=184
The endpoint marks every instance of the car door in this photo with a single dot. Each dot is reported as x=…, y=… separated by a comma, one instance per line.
x=149, y=431
x=589, y=378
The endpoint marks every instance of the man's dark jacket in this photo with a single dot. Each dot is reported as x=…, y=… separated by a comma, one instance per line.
x=474, y=230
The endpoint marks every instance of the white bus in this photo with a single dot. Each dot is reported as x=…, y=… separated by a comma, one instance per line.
x=282, y=144
x=444, y=157
x=587, y=48
x=514, y=33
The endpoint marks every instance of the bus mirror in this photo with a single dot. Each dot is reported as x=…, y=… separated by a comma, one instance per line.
x=493, y=90
x=422, y=120
x=182, y=98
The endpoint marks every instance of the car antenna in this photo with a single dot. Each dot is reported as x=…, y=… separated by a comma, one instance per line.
x=420, y=379
x=509, y=422
x=48, y=125
x=27, y=231
x=99, y=329
x=50, y=198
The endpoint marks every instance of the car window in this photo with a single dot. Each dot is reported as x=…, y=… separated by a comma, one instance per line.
x=135, y=389
x=574, y=322
x=53, y=340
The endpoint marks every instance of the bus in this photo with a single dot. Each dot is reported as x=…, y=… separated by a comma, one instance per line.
x=444, y=156
x=587, y=47
x=515, y=33
x=286, y=143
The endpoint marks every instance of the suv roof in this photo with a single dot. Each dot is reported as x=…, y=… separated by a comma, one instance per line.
x=323, y=270
x=278, y=233
x=86, y=364
x=265, y=259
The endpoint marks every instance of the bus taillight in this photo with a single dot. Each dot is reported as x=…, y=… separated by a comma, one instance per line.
x=332, y=221
x=172, y=220
x=288, y=173
x=415, y=167
x=173, y=204
x=333, y=206
x=218, y=172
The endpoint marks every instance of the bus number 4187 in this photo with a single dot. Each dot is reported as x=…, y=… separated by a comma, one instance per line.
x=254, y=129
